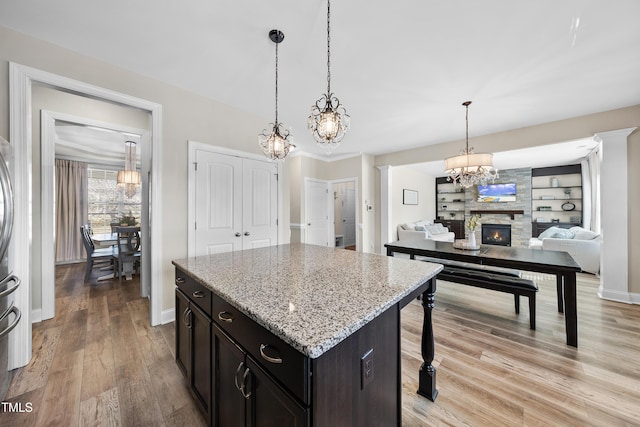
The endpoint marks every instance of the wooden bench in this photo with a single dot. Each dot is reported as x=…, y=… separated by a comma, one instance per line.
x=494, y=278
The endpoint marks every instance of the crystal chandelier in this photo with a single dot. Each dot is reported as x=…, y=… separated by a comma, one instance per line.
x=329, y=120
x=469, y=168
x=277, y=143
x=129, y=178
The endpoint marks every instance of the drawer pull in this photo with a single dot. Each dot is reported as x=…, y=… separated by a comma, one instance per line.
x=235, y=378
x=198, y=294
x=244, y=384
x=268, y=358
x=179, y=280
x=225, y=316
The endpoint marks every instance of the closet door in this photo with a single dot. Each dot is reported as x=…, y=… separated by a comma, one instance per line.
x=218, y=192
x=260, y=204
x=236, y=203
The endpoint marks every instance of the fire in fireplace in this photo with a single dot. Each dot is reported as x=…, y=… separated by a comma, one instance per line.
x=496, y=234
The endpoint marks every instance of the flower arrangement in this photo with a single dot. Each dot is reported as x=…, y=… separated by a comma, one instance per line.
x=473, y=222
x=128, y=220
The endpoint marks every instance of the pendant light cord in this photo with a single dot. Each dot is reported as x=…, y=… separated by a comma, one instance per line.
x=276, y=123
x=328, y=48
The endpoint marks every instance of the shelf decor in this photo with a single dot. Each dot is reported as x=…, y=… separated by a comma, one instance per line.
x=409, y=197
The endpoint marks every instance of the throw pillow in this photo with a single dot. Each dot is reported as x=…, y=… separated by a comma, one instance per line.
x=434, y=229
x=420, y=228
x=563, y=233
x=549, y=232
x=583, y=234
x=409, y=226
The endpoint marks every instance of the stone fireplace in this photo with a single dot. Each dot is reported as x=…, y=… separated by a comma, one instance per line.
x=496, y=234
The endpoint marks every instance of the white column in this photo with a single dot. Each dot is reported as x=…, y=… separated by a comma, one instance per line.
x=386, y=235
x=614, y=211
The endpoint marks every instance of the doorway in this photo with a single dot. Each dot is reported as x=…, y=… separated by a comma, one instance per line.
x=22, y=79
x=344, y=201
x=92, y=142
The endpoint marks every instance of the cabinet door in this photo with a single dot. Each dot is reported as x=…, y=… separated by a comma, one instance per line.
x=269, y=405
x=228, y=370
x=201, y=357
x=183, y=333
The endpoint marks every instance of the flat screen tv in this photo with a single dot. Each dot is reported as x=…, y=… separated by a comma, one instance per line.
x=496, y=193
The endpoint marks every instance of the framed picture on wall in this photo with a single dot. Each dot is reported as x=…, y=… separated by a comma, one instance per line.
x=409, y=197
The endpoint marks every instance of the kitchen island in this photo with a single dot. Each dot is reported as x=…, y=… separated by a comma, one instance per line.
x=299, y=334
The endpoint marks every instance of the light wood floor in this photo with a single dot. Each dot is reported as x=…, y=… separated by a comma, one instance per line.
x=100, y=363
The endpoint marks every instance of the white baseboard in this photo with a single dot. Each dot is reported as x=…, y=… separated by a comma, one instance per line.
x=625, y=297
x=36, y=315
x=168, y=316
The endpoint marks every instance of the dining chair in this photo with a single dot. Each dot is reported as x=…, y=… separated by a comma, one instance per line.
x=128, y=257
x=95, y=257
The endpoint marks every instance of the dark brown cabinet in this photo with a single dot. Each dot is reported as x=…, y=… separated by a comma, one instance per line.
x=245, y=394
x=241, y=374
x=193, y=347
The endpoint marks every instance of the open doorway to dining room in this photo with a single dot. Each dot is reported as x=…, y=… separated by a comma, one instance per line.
x=80, y=161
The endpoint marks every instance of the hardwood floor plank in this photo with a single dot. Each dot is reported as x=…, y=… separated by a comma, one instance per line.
x=99, y=362
x=101, y=410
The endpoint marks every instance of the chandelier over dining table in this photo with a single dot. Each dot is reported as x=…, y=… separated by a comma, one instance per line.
x=129, y=178
x=469, y=168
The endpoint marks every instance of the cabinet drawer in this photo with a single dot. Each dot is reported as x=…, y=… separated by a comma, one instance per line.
x=278, y=358
x=197, y=293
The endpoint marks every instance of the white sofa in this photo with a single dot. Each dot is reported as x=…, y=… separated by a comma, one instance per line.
x=425, y=230
x=583, y=245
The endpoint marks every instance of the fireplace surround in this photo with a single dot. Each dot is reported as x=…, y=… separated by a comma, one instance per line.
x=496, y=234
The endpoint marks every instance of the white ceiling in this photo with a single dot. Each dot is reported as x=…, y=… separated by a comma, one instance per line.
x=401, y=68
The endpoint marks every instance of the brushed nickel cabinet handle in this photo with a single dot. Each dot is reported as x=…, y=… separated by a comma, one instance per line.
x=238, y=234
x=268, y=358
x=246, y=233
x=244, y=384
x=235, y=378
x=198, y=294
x=225, y=316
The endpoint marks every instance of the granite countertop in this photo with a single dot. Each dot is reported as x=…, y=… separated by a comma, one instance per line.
x=312, y=297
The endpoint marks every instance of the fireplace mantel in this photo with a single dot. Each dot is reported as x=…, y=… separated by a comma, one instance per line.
x=511, y=213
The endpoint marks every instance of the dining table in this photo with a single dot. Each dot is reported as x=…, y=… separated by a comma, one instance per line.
x=103, y=240
x=558, y=263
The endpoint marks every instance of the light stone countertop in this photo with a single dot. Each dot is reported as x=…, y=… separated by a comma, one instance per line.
x=312, y=297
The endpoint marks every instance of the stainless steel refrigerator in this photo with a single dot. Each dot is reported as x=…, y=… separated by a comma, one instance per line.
x=9, y=314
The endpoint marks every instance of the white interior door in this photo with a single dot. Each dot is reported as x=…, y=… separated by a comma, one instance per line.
x=260, y=204
x=349, y=216
x=317, y=212
x=218, y=203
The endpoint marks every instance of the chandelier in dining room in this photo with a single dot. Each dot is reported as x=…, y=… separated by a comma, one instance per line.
x=469, y=168
x=129, y=178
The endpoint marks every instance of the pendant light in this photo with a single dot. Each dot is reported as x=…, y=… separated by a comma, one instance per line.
x=129, y=178
x=329, y=120
x=276, y=144
x=469, y=168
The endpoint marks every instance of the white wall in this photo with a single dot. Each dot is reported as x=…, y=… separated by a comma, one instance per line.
x=186, y=116
x=406, y=178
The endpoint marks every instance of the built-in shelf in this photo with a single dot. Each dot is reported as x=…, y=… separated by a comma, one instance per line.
x=511, y=213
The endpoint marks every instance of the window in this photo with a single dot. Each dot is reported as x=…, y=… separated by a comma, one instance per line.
x=107, y=202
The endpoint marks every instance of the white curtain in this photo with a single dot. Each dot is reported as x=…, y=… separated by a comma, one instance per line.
x=71, y=209
x=591, y=189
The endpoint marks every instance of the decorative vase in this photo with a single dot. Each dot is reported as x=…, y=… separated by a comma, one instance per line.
x=472, y=238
